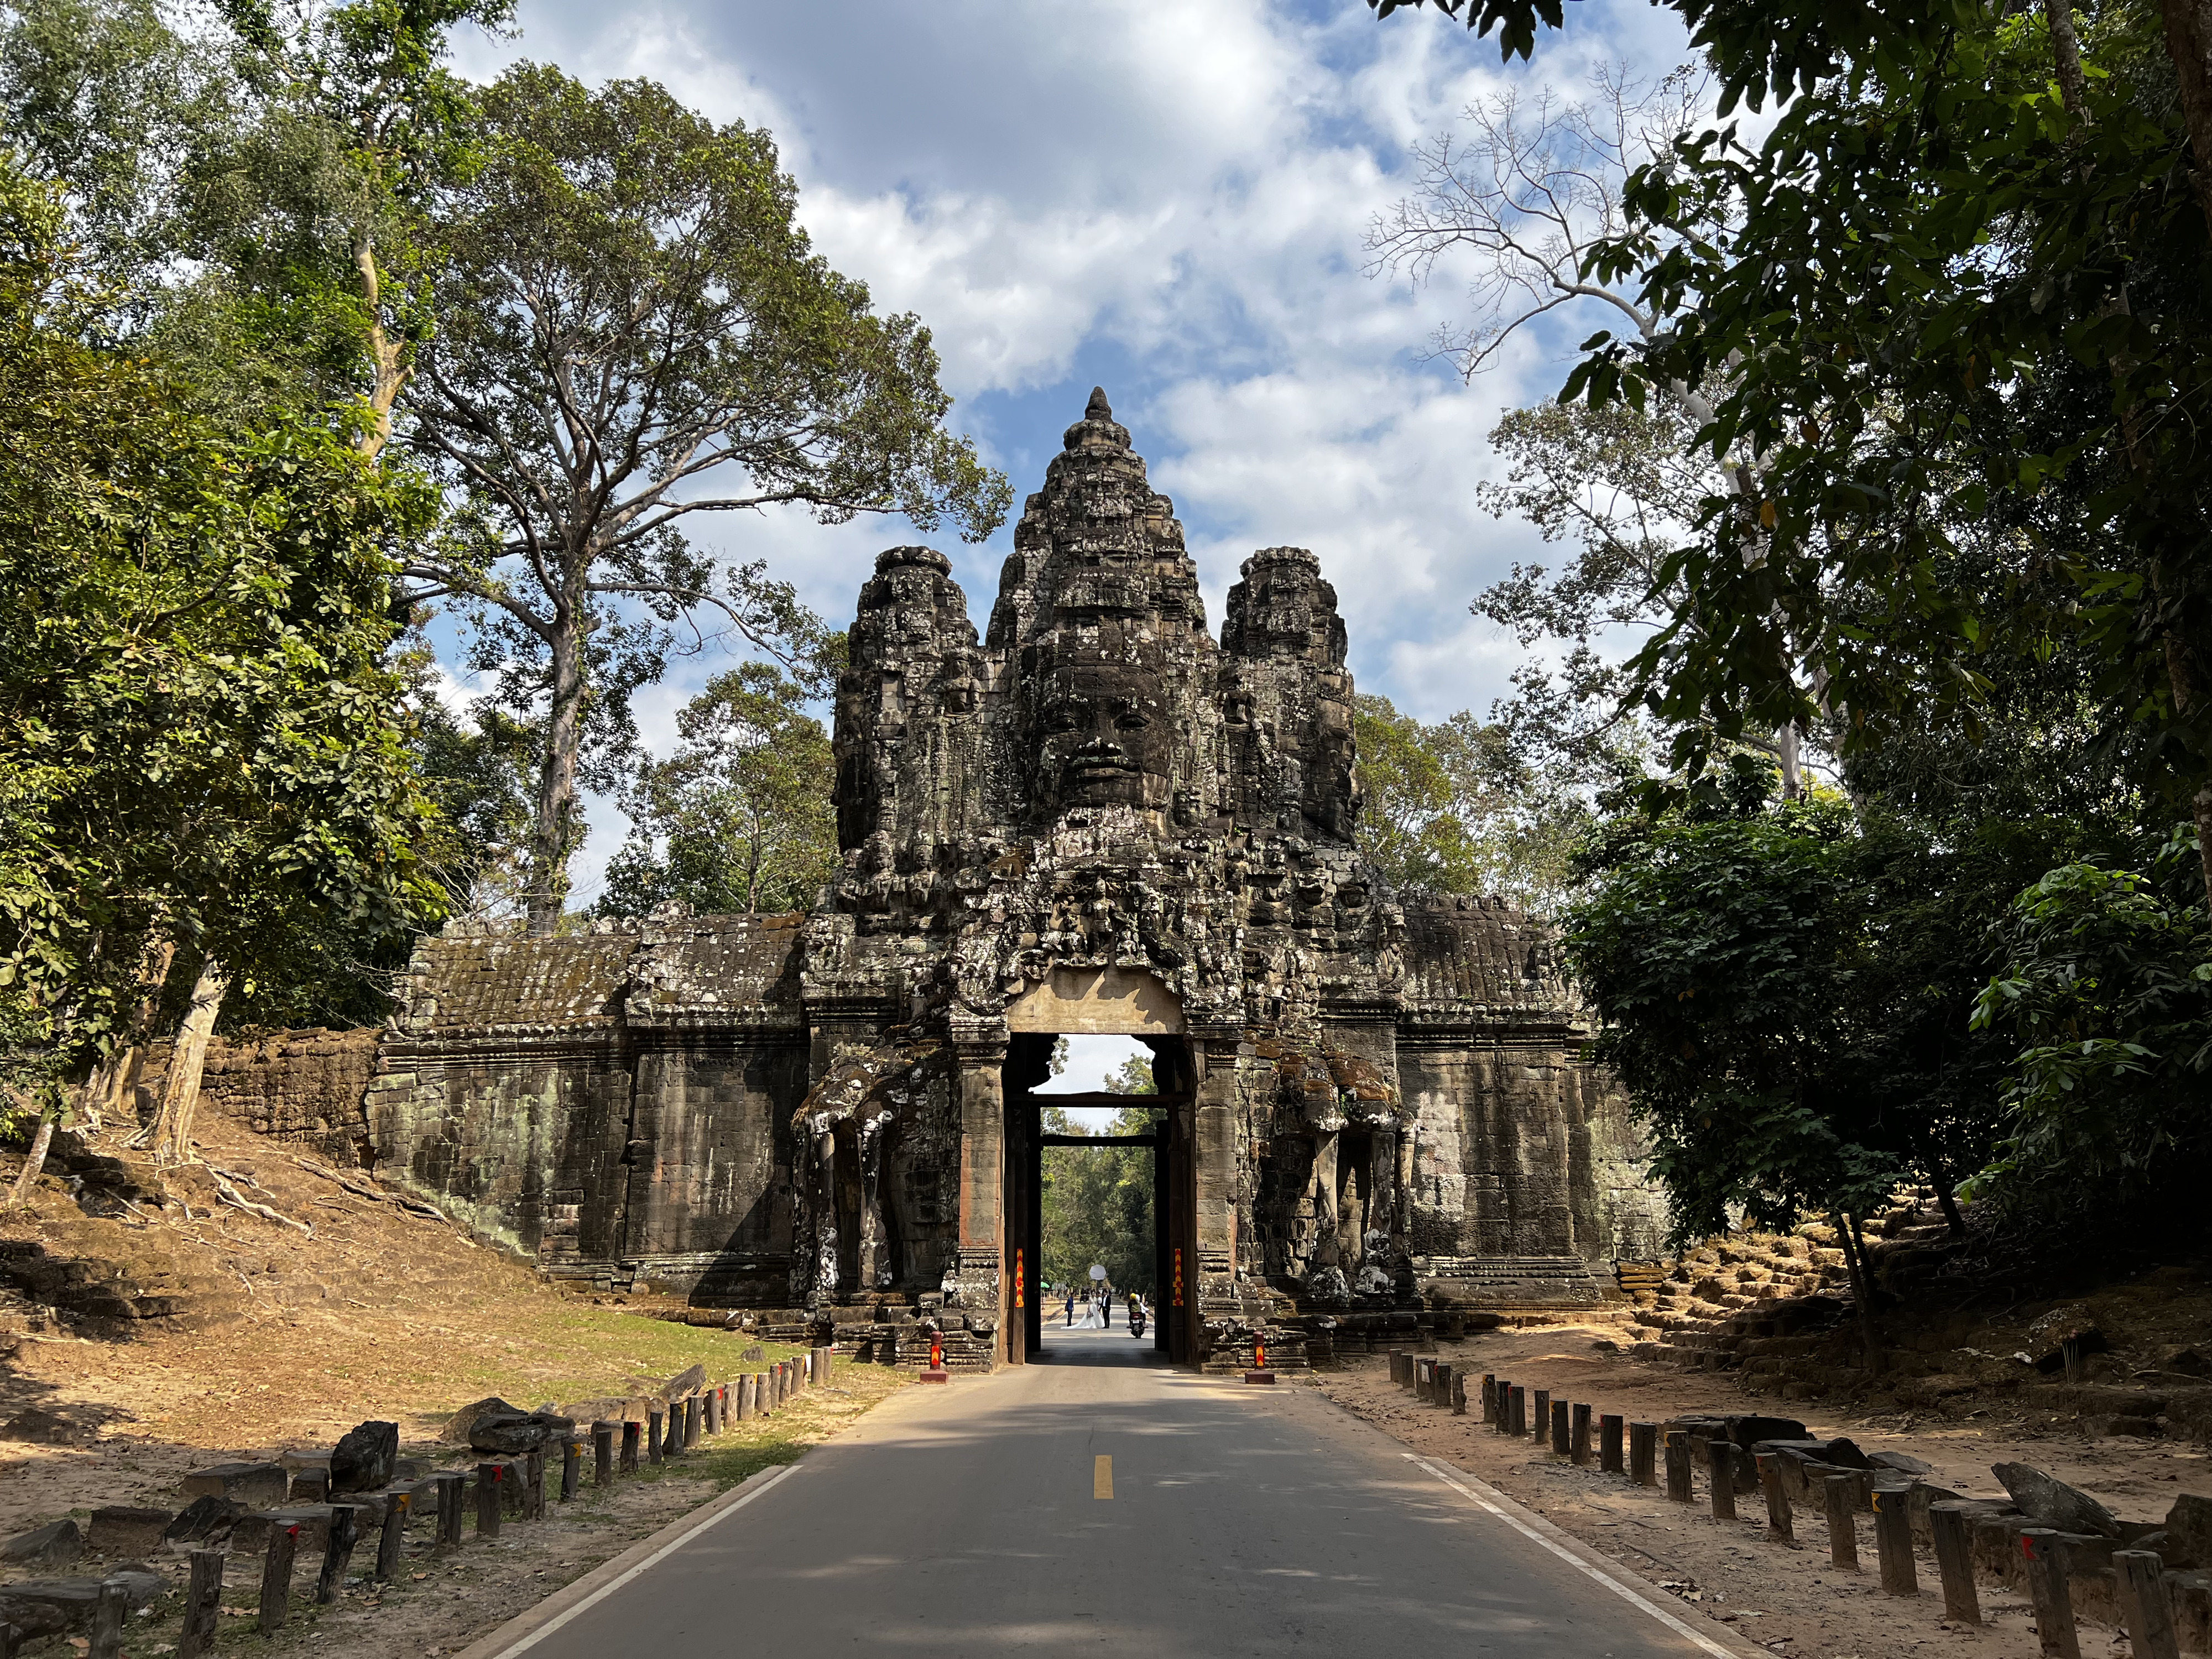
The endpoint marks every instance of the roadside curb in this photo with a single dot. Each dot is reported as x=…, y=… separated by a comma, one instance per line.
x=533, y=1623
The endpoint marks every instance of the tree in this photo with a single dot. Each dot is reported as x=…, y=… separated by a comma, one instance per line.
x=197, y=731
x=634, y=330
x=740, y=817
x=1461, y=807
x=1098, y=1204
x=1993, y=202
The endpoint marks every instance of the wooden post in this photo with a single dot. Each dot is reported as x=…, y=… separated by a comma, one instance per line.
x=533, y=1485
x=108, y=1612
x=745, y=1405
x=2145, y=1607
x=631, y=1429
x=572, y=1454
x=1578, y=1435
x=392, y=1540
x=1955, y=1563
x=488, y=1498
x=603, y=1454
x=1678, y=1467
x=694, y=1411
x=202, y=1606
x=1562, y=1428
x=1442, y=1393
x=1518, y=1426
x=652, y=1422
x=1720, y=1467
x=1501, y=1407
x=1643, y=1453
x=448, y=1485
x=1893, y=1541
x=337, y=1554
x=11, y=1638
x=1543, y=1414
x=1609, y=1442
x=1840, y=1492
x=2047, y=1589
x=1459, y=1391
x=1490, y=1397
x=276, y=1577
x=1780, y=1523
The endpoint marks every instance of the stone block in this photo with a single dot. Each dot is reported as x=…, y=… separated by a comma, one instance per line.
x=459, y=1425
x=122, y=1529
x=206, y=1521
x=2189, y=1531
x=54, y=1544
x=363, y=1458
x=61, y=1606
x=250, y=1535
x=2055, y=1503
x=513, y=1433
x=256, y=1485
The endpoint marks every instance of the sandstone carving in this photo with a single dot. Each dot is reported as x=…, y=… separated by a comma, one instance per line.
x=1096, y=816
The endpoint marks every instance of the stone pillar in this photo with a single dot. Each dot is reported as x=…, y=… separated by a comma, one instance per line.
x=875, y=1272
x=823, y=1198
x=985, y=1298
x=1326, y=1252
x=1213, y=1150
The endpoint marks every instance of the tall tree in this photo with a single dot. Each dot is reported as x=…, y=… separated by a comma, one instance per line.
x=740, y=817
x=634, y=330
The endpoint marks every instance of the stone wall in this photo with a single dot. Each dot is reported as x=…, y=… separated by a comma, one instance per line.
x=303, y=1086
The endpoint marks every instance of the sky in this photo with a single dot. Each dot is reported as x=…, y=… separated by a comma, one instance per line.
x=1169, y=200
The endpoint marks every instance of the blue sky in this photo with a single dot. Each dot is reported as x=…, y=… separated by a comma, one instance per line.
x=1166, y=198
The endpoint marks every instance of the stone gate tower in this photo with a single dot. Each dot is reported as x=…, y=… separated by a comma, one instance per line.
x=1098, y=818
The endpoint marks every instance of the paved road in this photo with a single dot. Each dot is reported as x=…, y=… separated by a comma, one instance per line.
x=973, y=1519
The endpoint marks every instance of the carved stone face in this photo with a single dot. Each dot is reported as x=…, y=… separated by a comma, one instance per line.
x=1098, y=736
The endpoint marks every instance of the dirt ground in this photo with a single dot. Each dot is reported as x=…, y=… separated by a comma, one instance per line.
x=1790, y=1601
x=376, y=1315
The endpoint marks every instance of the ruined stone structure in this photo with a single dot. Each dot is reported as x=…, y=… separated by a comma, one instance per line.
x=1096, y=818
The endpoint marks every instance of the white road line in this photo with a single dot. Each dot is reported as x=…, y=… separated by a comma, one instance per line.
x=1489, y=1497
x=654, y=1560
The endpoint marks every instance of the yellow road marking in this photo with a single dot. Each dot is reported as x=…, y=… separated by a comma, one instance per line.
x=1102, y=1477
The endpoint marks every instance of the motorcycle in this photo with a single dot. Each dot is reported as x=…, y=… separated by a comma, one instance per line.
x=1136, y=1322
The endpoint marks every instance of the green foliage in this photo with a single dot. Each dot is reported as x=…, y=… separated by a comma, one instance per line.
x=2107, y=991
x=1787, y=992
x=198, y=733
x=739, y=819
x=1098, y=1201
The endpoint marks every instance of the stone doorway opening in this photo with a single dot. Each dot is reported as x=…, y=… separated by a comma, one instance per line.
x=1034, y=1130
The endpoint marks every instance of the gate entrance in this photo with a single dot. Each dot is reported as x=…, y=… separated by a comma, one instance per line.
x=1099, y=1002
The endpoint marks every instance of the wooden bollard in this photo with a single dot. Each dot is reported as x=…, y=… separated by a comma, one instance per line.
x=1562, y=1429
x=1516, y=1416
x=1459, y=1392
x=712, y=1424
x=1578, y=1435
x=1678, y=1467
x=1542, y=1411
x=1955, y=1563
x=488, y=1475
x=1490, y=1397
x=652, y=1422
x=391, y=1541
x=11, y=1640
x=1720, y=1467
x=338, y=1553
x=533, y=1485
x=2145, y=1607
x=1442, y=1393
x=695, y=1412
x=1893, y=1541
x=1643, y=1453
x=2048, y=1590
x=572, y=1465
x=1609, y=1425
x=202, y=1604
x=1501, y=1405
x=276, y=1577
x=1780, y=1523
x=632, y=1431
x=447, y=1484
x=1840, y=1492
x=745, y=1398
x=603, y=1454
x=109, y=1610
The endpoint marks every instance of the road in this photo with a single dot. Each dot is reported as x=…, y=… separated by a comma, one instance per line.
x=976, y=1519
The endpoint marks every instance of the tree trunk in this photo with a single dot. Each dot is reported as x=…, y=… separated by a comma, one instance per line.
x=1847, y=1234
x=180, y=1091
x=109, y=1089
x=36, y=1160
x=384, y=352
x=1793, y=774
x=2189, y=43
x=553, y=835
